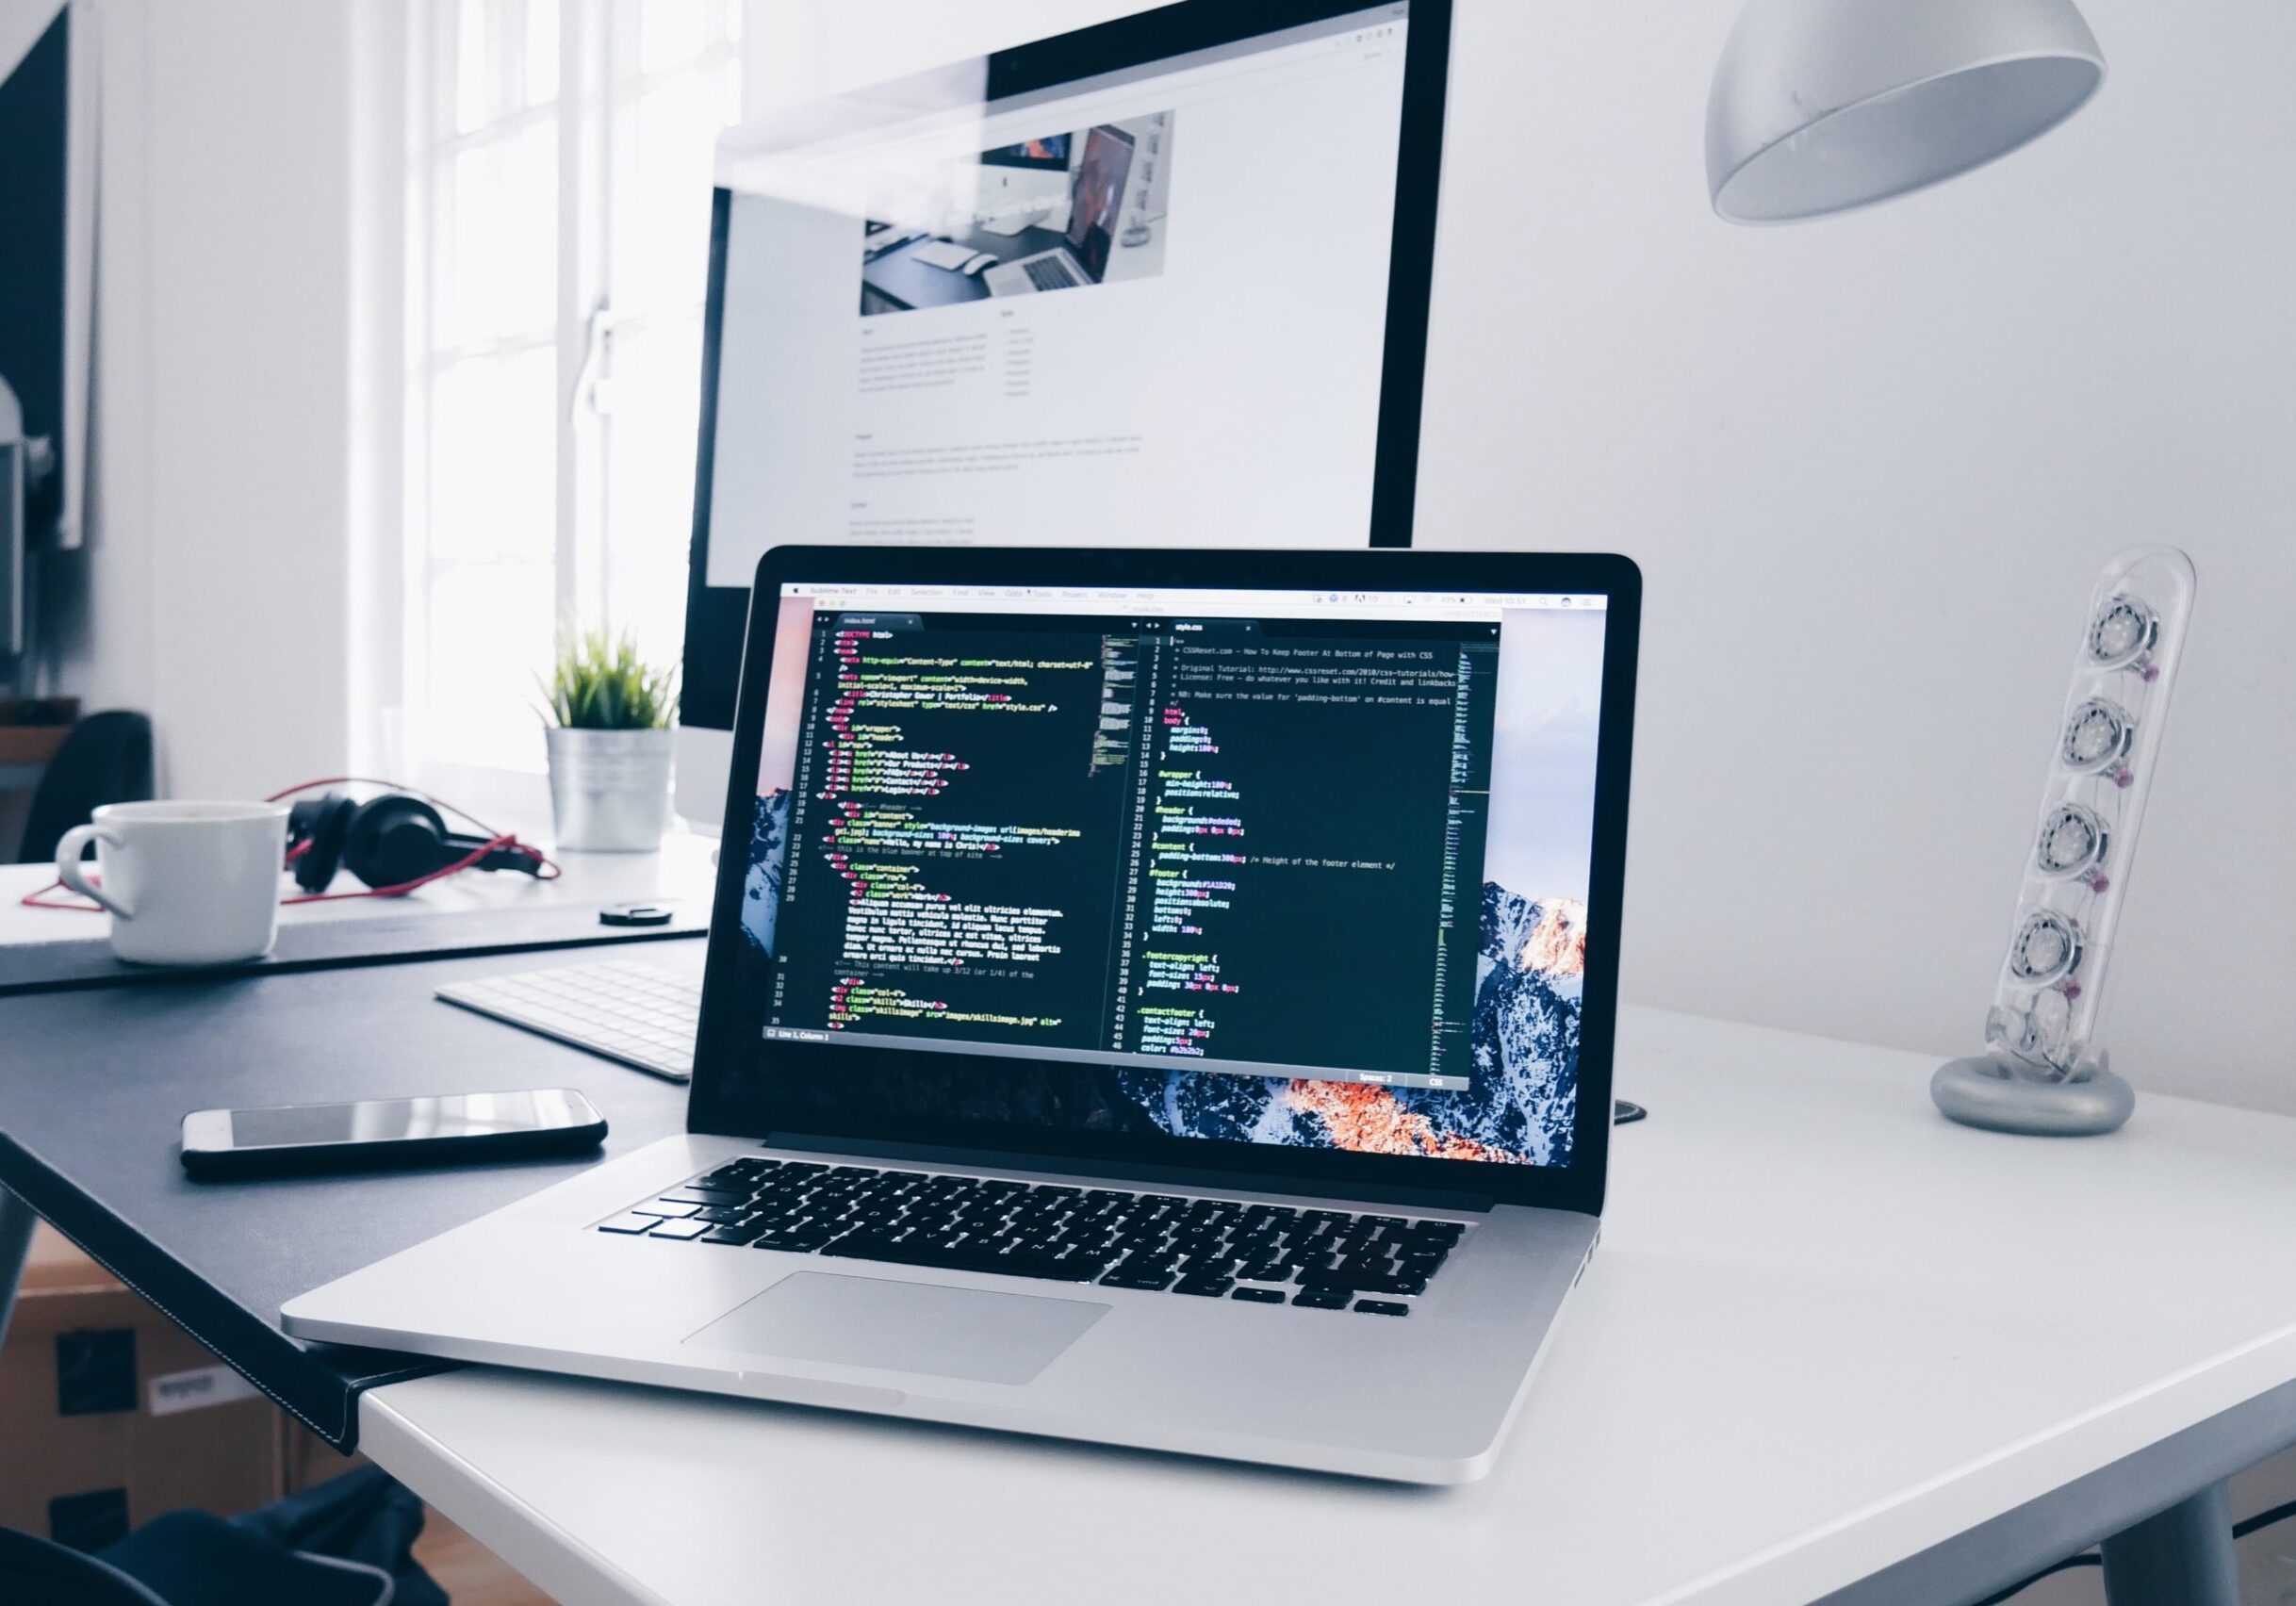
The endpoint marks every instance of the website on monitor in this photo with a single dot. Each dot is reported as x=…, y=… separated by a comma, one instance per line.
x=1145, y=309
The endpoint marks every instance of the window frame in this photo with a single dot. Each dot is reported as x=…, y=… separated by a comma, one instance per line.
x=600, y=83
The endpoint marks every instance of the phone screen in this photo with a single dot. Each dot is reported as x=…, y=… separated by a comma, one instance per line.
x=389, y=1121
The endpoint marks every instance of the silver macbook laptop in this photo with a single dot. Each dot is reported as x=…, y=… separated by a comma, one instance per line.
x=1161, y=998
x=1096, y=200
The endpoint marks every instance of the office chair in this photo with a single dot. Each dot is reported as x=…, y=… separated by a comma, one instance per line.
x=32, y=1568
x=107, y=758
x=290, y=1553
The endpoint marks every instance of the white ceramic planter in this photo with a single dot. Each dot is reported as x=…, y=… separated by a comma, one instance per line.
x=610, y=790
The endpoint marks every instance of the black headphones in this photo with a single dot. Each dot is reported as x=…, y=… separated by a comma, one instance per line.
x=386, y=841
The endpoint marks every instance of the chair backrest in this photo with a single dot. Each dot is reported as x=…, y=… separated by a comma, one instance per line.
x=32, y=1568
x=107, y=758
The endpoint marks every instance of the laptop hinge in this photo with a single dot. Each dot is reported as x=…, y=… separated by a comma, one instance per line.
x=1122, y=1170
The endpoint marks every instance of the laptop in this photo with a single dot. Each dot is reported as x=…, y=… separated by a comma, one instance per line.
x=1096, y=200
x=1159, y=998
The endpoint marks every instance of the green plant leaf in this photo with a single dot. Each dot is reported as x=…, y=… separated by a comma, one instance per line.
x=599, y=682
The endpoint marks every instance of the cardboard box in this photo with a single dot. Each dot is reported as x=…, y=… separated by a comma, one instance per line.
x=112, y=1414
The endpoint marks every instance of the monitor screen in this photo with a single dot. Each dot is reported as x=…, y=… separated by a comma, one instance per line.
x=1266, y=866
x=1221, y=384
x=1248, y=208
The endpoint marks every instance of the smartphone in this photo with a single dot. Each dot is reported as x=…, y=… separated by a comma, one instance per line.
x=441, y=1129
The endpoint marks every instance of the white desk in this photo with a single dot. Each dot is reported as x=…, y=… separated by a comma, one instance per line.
x=1828, y=1334
x=681, y=869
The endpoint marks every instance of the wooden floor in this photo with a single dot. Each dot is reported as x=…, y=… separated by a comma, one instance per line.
x=468, y=1571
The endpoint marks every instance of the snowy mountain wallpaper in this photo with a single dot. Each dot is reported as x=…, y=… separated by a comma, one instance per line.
x=1530, y=966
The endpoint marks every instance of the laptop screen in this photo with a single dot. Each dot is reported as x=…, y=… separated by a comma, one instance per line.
x=1096, y=197
x=1280, y=868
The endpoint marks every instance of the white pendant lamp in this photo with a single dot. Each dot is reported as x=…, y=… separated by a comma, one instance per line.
x=1820, y=105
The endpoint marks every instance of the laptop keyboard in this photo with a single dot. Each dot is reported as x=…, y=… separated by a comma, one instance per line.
x=1049, y=274
x=1208, y=1248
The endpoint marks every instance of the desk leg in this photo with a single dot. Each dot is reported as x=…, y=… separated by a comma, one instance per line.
x=16, y=1223
x=2182, y=1557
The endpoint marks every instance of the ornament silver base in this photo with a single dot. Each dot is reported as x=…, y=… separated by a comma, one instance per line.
x=1979, y=1092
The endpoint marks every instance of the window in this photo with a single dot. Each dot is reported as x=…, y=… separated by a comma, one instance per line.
x=558, y=208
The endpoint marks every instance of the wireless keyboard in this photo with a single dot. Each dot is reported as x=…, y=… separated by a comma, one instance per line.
x=642, y=1012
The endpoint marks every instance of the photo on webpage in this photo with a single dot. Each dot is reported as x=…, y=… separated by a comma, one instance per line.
x=1064, y=210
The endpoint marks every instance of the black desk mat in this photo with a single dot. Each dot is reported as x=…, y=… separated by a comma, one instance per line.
x=325, y=944
x=93, y=1083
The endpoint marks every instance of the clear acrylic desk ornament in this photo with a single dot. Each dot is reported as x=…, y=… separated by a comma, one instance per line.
x=2042, y=1072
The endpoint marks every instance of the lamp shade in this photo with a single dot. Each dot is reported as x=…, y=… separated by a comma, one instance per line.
x=1819, y=106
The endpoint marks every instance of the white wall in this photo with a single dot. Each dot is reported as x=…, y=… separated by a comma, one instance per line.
x=214, y=592
x=1869, y=467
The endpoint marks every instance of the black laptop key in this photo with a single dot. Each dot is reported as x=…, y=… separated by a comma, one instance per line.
x=1364, y=1281
x=1206, y=1287
x=1146, y=1278
x=733, y=1234
x=720, y=1215
x=1259, y=1296
x=1381, y=1307
x=795, y=1239
x=1322, y=1299
x=983, y=1257
x=693, y=1194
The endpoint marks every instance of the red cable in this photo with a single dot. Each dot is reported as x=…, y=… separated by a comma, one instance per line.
x=544, y=862
x=39, y=899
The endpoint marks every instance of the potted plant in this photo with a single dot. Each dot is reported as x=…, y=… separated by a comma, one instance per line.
x=607, y=725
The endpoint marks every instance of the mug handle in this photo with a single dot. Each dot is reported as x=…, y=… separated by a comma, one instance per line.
x=73, y=873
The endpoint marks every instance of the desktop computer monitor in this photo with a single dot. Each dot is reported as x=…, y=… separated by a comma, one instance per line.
x=1250, y=193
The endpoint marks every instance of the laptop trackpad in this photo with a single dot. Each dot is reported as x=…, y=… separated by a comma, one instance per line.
x=911, y=1327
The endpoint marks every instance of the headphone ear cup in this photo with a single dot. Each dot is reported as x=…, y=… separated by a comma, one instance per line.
x=323, y=822
x=394, y=839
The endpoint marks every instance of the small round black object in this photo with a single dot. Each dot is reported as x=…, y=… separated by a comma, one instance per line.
x=635, y=914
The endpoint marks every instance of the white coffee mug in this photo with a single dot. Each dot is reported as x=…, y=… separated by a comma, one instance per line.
x=187, y=883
